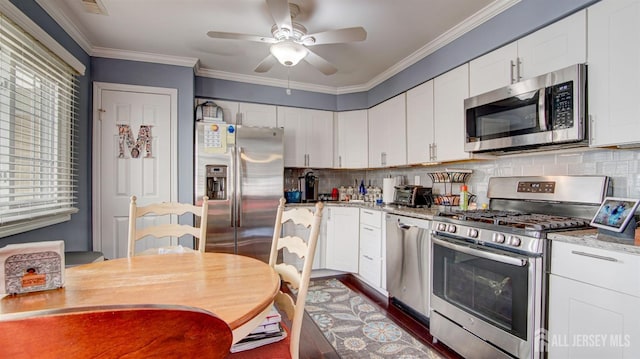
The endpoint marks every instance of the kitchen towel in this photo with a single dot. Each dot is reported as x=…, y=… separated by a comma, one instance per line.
x=388, y=190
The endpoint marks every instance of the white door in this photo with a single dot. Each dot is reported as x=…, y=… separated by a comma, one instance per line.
x=134, y=154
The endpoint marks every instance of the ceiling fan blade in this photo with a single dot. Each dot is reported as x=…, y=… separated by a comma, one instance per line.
x=336, y=36
x=266, y=64
x=235, y=36
x=319, y=63
x=280, y=12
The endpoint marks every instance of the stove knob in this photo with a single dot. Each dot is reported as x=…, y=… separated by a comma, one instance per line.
x=442, y=227
x=451, y=228
x=514, y=241
x=472, y=232
x=498, y=237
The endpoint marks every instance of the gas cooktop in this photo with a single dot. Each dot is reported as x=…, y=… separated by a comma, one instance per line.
x=513, y=219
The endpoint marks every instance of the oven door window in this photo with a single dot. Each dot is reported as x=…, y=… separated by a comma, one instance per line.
x=514, y=116
x=488, y=289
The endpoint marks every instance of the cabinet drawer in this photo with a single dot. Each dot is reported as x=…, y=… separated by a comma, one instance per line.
x=371, y=217
x=370, y=241
x=370, y=269
x=600, y=267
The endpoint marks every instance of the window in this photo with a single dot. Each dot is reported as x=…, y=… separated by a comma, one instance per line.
x=38, y=133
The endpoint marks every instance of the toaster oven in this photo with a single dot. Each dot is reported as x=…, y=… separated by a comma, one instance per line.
x=413, y=196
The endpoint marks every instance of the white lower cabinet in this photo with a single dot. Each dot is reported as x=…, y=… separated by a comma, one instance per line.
x=341, y=246
x=594, y=304
x=371, y=254
x=290, y=229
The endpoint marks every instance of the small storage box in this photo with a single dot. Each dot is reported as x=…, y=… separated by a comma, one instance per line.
x=31, y=267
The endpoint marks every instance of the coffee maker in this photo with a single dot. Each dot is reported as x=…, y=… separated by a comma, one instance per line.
x=308, y=184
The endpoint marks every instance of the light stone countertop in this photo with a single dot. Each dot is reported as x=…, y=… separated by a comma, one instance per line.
x=591, y=238
x=421, y=213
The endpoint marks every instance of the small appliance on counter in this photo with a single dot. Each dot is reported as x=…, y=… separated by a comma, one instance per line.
x=292, y=196
x=308, y=184
x=413, y=196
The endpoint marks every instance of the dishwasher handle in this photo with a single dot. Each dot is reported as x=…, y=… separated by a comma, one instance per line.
x=404, y=226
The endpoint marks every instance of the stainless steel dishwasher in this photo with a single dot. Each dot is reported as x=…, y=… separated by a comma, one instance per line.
x=408, y=262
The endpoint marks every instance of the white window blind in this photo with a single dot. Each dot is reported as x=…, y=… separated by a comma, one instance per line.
x=38, y=133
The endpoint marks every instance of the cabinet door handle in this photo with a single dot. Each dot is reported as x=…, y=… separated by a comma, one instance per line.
x=340, y=161
x=368, y=229
x=367, y=257
x=596, y=256
x=367, y=212
x=591, y=131
x=511, y=77
x=383, y=158
x=518, y=69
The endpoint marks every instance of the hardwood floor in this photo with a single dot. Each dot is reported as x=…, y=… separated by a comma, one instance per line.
x=313, y=344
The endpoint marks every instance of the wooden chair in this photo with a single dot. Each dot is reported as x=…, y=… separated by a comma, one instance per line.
x=167, y=230
x=294, y=308
x=115, y=332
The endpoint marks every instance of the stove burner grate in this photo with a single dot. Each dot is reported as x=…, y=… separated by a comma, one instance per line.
x=536, y=222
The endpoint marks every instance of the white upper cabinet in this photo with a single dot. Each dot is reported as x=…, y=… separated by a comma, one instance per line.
x=351, y=140
x=248, y=114
x=308, y=137
x=251, y=114
x=450, y=90
x=614, y=72
x=388, y=133
x=556, y=46
x=420, y=124
x=493, y=70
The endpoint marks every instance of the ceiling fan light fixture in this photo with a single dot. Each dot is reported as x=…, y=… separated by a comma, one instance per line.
x=288, y=53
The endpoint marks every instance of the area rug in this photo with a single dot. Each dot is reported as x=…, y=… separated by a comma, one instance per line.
x=356, y=328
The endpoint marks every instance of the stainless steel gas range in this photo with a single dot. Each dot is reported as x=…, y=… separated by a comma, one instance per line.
x=488, y=285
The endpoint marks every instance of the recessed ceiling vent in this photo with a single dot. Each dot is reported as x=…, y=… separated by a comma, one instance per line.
x=94, y=7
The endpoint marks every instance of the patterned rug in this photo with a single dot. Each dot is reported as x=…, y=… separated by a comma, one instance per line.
x=356, y=328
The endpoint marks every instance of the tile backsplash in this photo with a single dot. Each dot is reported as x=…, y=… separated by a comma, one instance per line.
x=622, y=165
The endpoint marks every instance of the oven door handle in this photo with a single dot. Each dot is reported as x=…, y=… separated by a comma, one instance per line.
x=519, y=262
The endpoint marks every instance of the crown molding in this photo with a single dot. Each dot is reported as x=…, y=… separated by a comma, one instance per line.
x=449, y=36
x=257, y=80
x=67, y=25
x=467, y=25
x=144, y=57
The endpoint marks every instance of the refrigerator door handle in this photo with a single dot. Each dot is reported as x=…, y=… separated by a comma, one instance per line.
x=239, y=176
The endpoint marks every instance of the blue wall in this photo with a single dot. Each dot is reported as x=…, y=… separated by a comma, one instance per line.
x=519, y=20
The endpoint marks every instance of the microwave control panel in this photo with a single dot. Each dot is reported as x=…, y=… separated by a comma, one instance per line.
x=537, y=187
x=561, y=97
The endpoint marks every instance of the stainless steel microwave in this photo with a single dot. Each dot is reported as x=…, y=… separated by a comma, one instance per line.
x=541, y=111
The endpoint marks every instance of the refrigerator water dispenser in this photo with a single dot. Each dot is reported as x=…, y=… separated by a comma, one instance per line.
x=216, y=182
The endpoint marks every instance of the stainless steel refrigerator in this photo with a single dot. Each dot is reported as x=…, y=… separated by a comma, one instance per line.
x=241, y=170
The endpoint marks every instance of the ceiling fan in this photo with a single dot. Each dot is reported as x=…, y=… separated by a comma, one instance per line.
x=290, y=40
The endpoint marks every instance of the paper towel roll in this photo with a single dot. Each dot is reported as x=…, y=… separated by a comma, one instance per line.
x=388, y=190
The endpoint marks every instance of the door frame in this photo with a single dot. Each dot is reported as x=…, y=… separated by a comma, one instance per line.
x=96, y=205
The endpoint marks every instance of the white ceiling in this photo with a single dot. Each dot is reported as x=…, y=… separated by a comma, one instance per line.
x=399, y=33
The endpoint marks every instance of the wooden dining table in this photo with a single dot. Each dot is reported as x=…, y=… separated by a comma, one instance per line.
x=238, y=289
